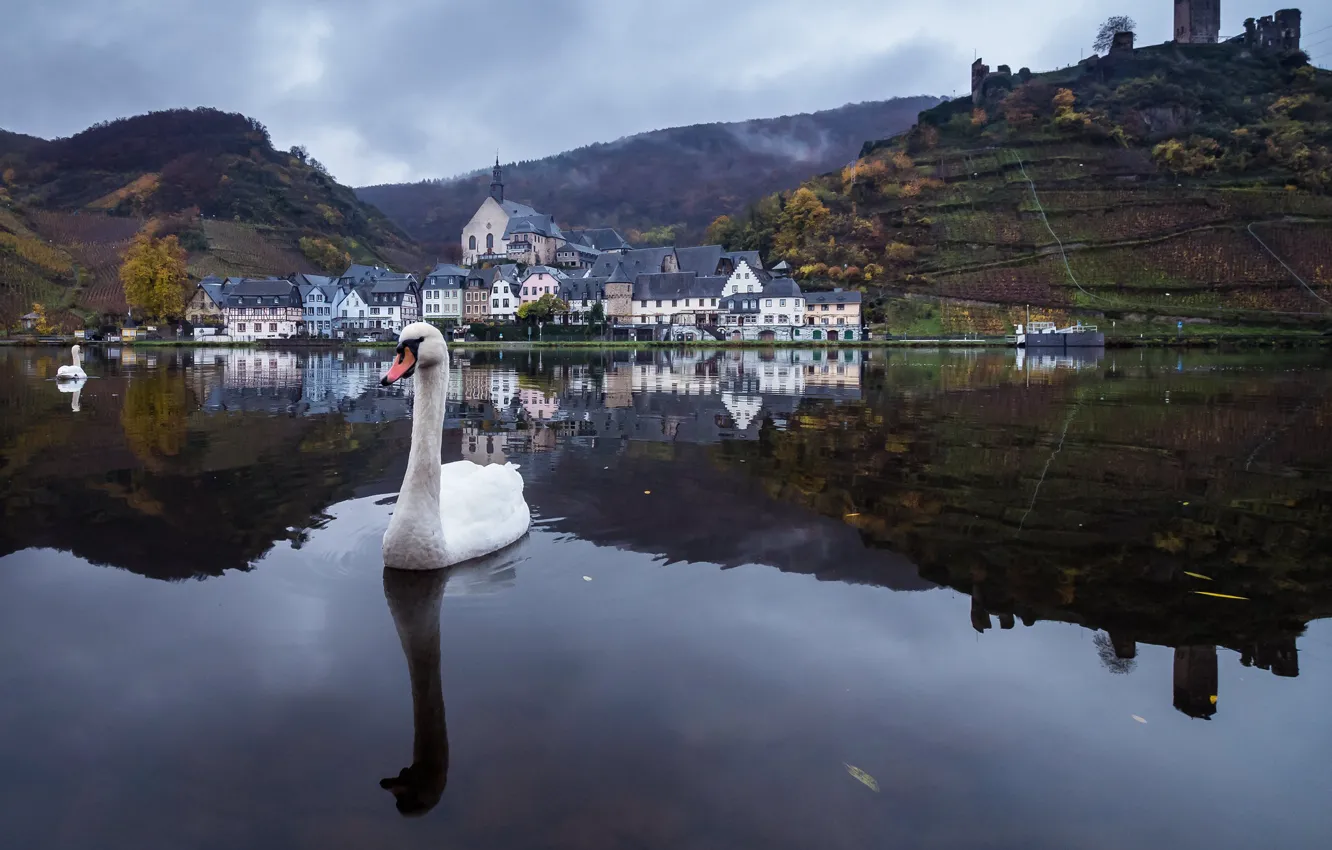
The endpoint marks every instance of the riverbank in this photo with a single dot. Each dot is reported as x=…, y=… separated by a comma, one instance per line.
x=1230, y=337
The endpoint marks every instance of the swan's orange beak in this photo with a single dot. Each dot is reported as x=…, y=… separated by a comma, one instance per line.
x=404, y=365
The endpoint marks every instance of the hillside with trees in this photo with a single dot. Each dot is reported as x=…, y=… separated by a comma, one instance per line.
x=71, y=208
x=1145, y=187
x=658, y=187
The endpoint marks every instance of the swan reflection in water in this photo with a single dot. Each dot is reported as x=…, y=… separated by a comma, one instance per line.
x=74, y=386
x=414, y=598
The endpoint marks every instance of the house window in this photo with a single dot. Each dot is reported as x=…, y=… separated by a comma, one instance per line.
x=241, y=327
x=471, y=243
x=658, y=302
x=714, y=302
x=506, y=302
x=841, y=321
x=495, y=303
x=782, y=302
x=272, y=327
x=825, y=307
x=841, y=306
x=490, y=243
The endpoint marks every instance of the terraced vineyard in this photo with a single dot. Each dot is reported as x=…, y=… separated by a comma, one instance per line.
x=1053, y=191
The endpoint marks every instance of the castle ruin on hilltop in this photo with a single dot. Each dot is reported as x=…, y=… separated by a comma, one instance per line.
x=1196, y=22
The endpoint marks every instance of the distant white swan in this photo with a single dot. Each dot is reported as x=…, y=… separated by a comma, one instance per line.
x=75, y=387
x=454, y=512
x=75, y=372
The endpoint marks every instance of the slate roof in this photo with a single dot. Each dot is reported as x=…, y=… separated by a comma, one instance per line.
x=677, y=285
x=542, y=225
x=583, y=289
x=302, y=279
x=782, y=287
x=599, y=238
x=636, y=262
x=617, y=275
x=447, y=270
x=513, y=208
x=751, y=257
x=215, y=288
x=837, y=296
x=357, y=273
x=702, y=259
x=270, y=292
x=389, y=290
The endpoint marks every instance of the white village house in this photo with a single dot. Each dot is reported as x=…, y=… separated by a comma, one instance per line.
x=259, y=309
x=442, y=293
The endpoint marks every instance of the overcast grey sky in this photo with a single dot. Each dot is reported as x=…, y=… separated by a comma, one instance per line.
x=400, y=90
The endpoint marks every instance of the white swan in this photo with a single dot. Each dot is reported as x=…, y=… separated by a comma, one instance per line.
x=75, y=372
x=457, y=511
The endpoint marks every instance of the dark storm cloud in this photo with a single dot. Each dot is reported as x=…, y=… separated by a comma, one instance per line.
x=405, y=89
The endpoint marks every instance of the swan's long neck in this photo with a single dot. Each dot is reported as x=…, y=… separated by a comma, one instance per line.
x=415, y=529
x=78, y=358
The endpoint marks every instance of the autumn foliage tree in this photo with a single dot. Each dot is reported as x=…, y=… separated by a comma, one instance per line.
x=543, y=309
x=324, y=254
x=154, y=276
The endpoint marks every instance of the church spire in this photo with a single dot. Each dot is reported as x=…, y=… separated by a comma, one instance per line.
x=497, y=182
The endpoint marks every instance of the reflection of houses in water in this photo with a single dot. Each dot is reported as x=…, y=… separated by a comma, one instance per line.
x=483, y=446
x=503, y=387
x=538, y=405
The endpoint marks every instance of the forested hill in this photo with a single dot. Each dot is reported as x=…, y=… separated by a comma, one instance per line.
x=69, y=207
x=1164, y=175
x=681, y=177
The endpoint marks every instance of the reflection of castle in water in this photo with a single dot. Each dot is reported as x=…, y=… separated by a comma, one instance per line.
x=1195, y=682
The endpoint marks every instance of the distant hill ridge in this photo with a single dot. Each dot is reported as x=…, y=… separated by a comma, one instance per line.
x=680, y=178
x=69, y=207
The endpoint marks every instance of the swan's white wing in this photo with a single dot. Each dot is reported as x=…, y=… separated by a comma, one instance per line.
x=481, y=507
x=72, y=373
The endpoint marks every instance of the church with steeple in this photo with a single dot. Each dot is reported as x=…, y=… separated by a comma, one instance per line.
x=500, y=225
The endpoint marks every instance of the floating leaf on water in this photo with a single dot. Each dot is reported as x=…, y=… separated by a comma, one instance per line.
x=848, y=516
x=870, y=781
x=1139, y=719
x=1198, y=575
x=647, y=492
x=1213, y=699
x=1220, y=595
x=587, y=578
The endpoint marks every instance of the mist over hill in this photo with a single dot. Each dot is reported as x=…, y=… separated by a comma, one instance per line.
x=680, y=178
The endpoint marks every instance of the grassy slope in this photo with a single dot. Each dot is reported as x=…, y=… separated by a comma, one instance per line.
x=1147, y=243
x=70, y=207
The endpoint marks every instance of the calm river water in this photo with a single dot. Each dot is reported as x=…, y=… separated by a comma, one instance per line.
x=837, y=599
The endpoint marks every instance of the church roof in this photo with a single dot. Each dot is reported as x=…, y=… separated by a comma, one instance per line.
x=543, y=225
x=513, y=208
x=702, y=259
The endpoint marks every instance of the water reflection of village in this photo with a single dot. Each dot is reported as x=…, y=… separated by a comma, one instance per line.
x=853, y=466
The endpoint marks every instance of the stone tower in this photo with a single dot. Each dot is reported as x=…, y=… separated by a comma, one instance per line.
x=1197, y=21
x=497, y=182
